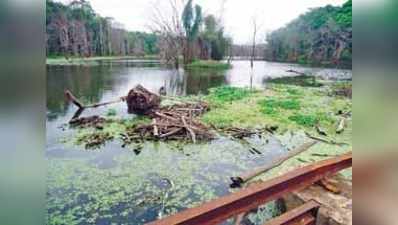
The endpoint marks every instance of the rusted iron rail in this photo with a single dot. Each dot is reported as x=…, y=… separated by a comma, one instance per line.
x=304, y=214
x=251, y=197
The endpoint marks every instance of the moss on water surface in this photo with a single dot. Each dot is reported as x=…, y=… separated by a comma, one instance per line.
x=81, y=191
x=290, y=107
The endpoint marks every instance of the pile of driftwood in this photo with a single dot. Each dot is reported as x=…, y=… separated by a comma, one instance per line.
x=176, y=122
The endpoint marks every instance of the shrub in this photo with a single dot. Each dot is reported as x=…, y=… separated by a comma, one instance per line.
x=269, y=105
x=304, y=120
x=228, y=94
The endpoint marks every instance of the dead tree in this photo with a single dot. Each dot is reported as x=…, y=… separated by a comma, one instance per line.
x=253, y=52
x=166, y=22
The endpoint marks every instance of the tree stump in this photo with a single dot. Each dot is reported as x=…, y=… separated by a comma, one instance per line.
x=141, y=101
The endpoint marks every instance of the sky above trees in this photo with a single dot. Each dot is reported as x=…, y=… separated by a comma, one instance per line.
x=237, y=14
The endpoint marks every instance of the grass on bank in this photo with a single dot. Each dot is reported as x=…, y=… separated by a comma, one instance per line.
x=61, y=60
x=209, y=64
x=289, y=107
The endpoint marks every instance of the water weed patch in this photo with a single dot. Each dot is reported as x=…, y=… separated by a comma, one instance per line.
x=227, y=94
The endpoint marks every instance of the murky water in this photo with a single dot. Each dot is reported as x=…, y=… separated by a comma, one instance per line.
x=115, y=185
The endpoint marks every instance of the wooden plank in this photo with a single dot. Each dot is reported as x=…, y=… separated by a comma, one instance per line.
x=251, y=197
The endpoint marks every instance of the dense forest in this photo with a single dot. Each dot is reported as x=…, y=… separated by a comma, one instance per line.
x=321, y=36
x=76, y=30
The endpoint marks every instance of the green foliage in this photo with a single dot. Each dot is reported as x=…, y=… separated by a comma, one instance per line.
x=316, y=37
x=344, y=16
x=191, y=20
x=301, y=80
x=214, y=39
x=146, y=42
x=270, y=104
x=209, y=64
x=227, y=94
x=304, y=120
x=77, y=30
x=289, y=107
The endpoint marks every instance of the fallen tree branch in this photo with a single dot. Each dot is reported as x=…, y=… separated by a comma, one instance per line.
x=239, y=180
x=71, y=98
x=105, y=103
x=174, y=131
x=155, y=128
x=166, y=117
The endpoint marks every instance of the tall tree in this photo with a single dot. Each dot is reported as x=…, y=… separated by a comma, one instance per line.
x=192, y=19
x=75, y=29
x=321, y=36
x=212, y=40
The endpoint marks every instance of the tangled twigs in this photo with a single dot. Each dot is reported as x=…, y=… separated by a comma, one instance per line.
x=175, y=123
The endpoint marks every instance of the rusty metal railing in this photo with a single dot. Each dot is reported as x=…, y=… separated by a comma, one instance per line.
x=246, y=199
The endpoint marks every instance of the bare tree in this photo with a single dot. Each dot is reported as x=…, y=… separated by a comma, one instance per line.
x=253, y=50
x=166, y=22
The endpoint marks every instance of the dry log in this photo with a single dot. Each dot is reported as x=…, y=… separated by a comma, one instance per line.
x=141, y=101
x=105, y=103
x=155, y=128
x=71, y=98
x=239, y=180
x=166, y=117
x=174, y=131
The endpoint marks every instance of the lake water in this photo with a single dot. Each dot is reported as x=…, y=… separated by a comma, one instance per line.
x=116, y=185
